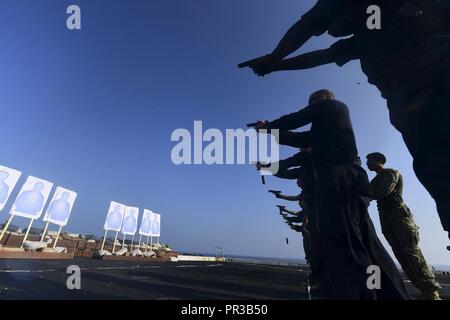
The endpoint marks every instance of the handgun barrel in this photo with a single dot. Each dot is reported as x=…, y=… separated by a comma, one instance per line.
x=250, y=62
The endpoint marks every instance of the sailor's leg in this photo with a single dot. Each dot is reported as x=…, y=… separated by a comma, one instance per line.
x=402, y=234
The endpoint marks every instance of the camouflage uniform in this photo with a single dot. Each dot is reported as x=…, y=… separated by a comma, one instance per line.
x=399, y=229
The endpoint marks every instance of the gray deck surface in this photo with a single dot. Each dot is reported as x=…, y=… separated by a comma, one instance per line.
x=21, y=279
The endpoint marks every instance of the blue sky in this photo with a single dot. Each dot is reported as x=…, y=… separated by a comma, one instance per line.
x=93, y=111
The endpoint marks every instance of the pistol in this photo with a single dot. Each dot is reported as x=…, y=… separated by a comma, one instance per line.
x=251, y=62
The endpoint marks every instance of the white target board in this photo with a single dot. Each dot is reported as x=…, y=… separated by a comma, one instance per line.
x=60, y=208
x=115, y=216
x=8, y=180
x=146, y=223
x=156, y=225
x=32, y=198
x=130, y=221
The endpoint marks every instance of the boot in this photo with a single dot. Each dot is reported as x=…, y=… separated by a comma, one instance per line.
x=429, y=295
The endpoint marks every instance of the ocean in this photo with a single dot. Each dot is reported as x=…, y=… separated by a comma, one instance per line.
x=282, y=261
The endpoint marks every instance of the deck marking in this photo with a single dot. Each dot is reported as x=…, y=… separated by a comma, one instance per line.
x=82, y=269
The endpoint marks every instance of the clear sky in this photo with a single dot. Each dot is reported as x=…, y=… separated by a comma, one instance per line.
x=93, y=111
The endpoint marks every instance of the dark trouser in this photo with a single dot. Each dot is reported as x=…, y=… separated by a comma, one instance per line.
x=315, y=248
x=348, y=238
x=307, y=244
x=424, y=123
x=312, y=249
x=315, y=252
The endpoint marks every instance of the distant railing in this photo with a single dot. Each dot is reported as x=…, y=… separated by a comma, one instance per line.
x=219, y=254
x=266, y=262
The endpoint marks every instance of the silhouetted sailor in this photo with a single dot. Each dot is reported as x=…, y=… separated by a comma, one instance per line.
x=408, y=59
x=398, y=226
x=350, y=244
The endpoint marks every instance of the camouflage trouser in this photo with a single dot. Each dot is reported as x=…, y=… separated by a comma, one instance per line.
x=402, y=234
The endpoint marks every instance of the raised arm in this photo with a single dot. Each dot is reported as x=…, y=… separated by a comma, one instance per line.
x=295, y=139
x=291, y=212
x=288, y=198
x=296, y=160
x=295, y=227
x=314, y=23
x=340, y=53
x=294, y=219
x=293, y=121
x=290, y=174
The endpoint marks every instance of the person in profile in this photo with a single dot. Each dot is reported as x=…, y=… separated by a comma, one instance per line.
x=32, y=201
x=60, y=208
x=4, y=188
x=155, y=226
x=399, y=228
x=114, y=220
x=129, y=223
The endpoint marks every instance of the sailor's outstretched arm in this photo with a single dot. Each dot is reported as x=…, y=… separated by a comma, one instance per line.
x=291, y=212
x=290, y=174
x=294, y=38
x=283, y=165
x=295, y=227
x=314, y=23
x=287, y=168
x=297, y=35
x=341, y=52
x=293, y=121
x=288, y=198
x=294, y=219
x=296, y=160
x=295, y=139
x=305, y=61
